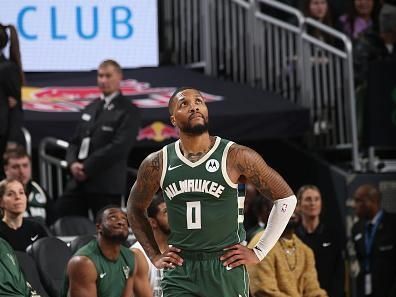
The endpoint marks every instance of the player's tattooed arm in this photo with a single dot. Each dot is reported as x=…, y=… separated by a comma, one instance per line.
x=248, y=165
x=142, y=192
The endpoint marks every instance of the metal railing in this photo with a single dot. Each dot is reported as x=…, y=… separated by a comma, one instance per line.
x=278, y=59
x=51, y=166
x=240, y=40
x=182, y=24
x=329, y=89
x=54, y=168
x=28, y=140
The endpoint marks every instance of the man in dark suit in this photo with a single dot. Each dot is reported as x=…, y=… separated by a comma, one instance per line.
x=374, y=239
x=98, y=152
x=11, y=79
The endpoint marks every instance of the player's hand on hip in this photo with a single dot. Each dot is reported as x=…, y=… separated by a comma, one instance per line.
x=168, y=259
x=237, y=255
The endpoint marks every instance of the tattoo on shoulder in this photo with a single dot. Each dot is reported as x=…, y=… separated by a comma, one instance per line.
x=151, y=166
x=251, y=166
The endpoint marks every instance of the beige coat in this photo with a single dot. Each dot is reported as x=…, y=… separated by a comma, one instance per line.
x=275, y=276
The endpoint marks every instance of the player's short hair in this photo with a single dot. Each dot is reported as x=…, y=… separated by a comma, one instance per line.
x=100, y=213
x=113, y=63
x=173, y=97
x=18, y=152
x=152, y=210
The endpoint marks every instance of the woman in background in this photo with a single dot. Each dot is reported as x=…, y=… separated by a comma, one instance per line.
x=325, y=243
x=16, y=230
x=362, y=15
x=319, y=10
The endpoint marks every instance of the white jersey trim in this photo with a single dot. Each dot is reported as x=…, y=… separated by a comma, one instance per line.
x=200, y=161
x=164, y=164
x=224, y=166
x=39, y=189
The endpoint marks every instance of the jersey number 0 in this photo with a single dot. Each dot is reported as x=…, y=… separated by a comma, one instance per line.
x=194, y=215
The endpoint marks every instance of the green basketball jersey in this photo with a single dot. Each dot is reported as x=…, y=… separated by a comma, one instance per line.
x=12, y=281
x=204, y=210
x=111, y=275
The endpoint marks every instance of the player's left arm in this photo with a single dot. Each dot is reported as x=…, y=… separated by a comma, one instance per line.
x=246, y=165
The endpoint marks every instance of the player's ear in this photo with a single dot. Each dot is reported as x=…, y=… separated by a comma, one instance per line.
x=98, y=228
x=173, y=121
x=153, y=223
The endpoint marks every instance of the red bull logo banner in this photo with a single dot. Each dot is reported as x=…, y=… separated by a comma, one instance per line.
x=157, y=131
x=73, y=99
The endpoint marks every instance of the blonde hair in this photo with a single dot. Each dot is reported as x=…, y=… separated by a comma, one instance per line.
x=304, y=188
x=3, y=186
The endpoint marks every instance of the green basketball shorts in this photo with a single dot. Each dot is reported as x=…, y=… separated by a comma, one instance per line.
x=203, y=275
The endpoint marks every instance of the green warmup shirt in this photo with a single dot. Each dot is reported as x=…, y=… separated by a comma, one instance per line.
x=111, y=275
x=204, y=211
x=12, y=281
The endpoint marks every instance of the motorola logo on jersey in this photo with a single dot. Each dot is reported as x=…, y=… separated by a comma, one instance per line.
x=212, y=165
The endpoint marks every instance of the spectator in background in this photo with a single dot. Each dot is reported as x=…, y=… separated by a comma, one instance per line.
x=257, y=216
x=19, y=232
x=387, y=27
x=326, y=244
x=362, y=15
x=104, y=267
x=320, y=11
x=11, y=81
x=12, y=282
x=373, y=46
x=374, y=239
x=98, y=152
x=18, y=165
x=158, y=218
x=287, y=270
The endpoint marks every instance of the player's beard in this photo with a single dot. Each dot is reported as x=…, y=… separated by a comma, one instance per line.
x=198, y=129
x=114, y=237
x=164, y=228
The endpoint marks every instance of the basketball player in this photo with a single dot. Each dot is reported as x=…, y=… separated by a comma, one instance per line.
x=199, y=175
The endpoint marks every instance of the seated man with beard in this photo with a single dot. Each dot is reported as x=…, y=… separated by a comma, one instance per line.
x=287, y=270
x=104, y=267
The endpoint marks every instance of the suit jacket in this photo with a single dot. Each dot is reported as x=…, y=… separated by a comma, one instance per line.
x=382, y=258
x=10, y=85
x=112, y=134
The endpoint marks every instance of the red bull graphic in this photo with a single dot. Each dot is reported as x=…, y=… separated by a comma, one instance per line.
x=73, y=99
x=157, y=131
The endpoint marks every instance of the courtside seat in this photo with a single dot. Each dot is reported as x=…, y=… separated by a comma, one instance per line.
x=51, y=256
x=79, y=242
x=29, y=269
x=73, y=226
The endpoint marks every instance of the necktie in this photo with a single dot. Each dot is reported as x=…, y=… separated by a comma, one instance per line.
x=369, y=230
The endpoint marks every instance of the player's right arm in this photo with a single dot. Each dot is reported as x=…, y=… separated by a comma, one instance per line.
x=82, y=277
x=142, y=192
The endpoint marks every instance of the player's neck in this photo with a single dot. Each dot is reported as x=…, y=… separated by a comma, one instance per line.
x=310, y=223
x=13, y=221
x=109, y=249
x=161, y=239
x=194, y=147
